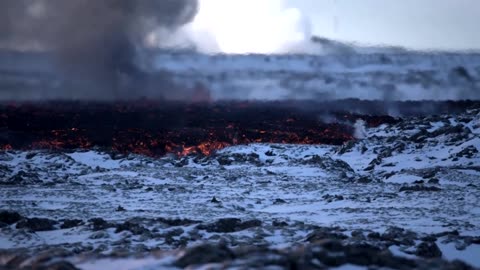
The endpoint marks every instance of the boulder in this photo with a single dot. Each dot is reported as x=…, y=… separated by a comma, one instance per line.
x=133, y=227
x=37, y=224
x=10, y=217
x=399, y=236
x=71, y=223
x=467, y=152
x=226, y=225
x=177, y=221
x=417, y=188
x=22, y=178
x=204, y=254
x=325, y=234
x=100, y=224
x=428, y=250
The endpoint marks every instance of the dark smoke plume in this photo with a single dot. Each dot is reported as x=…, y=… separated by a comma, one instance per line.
x=94, y=41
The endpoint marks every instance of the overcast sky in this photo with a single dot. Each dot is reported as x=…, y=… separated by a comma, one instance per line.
x=420, y=24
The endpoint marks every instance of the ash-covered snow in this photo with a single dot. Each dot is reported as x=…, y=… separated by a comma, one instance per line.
x=410, y=190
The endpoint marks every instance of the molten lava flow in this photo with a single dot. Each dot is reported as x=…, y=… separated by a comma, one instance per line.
x=158, y=128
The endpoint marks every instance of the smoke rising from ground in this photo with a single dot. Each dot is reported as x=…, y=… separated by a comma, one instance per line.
x=249, y=26
x=360, y=131
x=93, y=41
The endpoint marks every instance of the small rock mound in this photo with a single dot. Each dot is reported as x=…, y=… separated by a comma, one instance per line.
x=321, y=234
x=428, y=250
x=417, y=188
x=71, y=223
x=177, y=221
x=22, y=178
x=37, y=224
x=204, y=254
x=100, y=224
x=132, y=227
x=226, y=159
x=9, y=217
x=467, y=152
x=226, y=225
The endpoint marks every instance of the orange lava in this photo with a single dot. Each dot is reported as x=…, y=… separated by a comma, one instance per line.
x=155, y=129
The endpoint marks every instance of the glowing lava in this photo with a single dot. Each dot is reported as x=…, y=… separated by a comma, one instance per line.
x=155, y=129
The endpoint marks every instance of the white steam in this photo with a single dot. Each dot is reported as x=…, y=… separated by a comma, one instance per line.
x=360, y=130
x=248, y=26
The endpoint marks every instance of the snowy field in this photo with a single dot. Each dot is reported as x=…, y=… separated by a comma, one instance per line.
x=378, y=75
x=406, y=196
x=371, y=76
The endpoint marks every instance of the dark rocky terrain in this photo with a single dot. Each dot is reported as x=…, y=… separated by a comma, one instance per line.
x=404, y=197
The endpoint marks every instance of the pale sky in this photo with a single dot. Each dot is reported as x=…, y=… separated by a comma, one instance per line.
x=276, y=26
x=419, y=24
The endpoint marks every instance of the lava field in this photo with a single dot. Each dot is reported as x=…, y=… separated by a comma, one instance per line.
x=156, y=128
x=403, y=197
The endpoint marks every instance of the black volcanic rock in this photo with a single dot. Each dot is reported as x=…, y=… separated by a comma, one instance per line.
x=420, y=136
x=468, y=152
x=450, y=130
x=100, y=224
x=429, y=174
x=428, y=250
x=177, y=221
x=269, y=153
x=333, y=253
x=448, y=233
x=395, y=235
x=347, y=147
x=330, y=198
x=364, y=180
x=226, y=225
x=61, y=265
x=277, y=223
x=22, y=178
x=224, y=160
x=204, y=254
x=71, y=223
x=323, y=234
x=9, y=217
x=279, y=201
x=329, y=253
x=366, y=255
x=133, y=227
x=417, y=188
x=434, y=181
x=37, y=224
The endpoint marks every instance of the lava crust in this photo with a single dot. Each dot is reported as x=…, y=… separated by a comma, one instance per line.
x=157, y=128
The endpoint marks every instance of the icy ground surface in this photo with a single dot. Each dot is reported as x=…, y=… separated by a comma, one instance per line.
x=414, y=182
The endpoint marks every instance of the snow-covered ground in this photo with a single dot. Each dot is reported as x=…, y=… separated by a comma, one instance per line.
x=378, y=75
x=403, y=187
x=401, y=76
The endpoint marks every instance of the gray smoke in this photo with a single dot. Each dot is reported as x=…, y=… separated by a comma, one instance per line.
x=94, y=43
